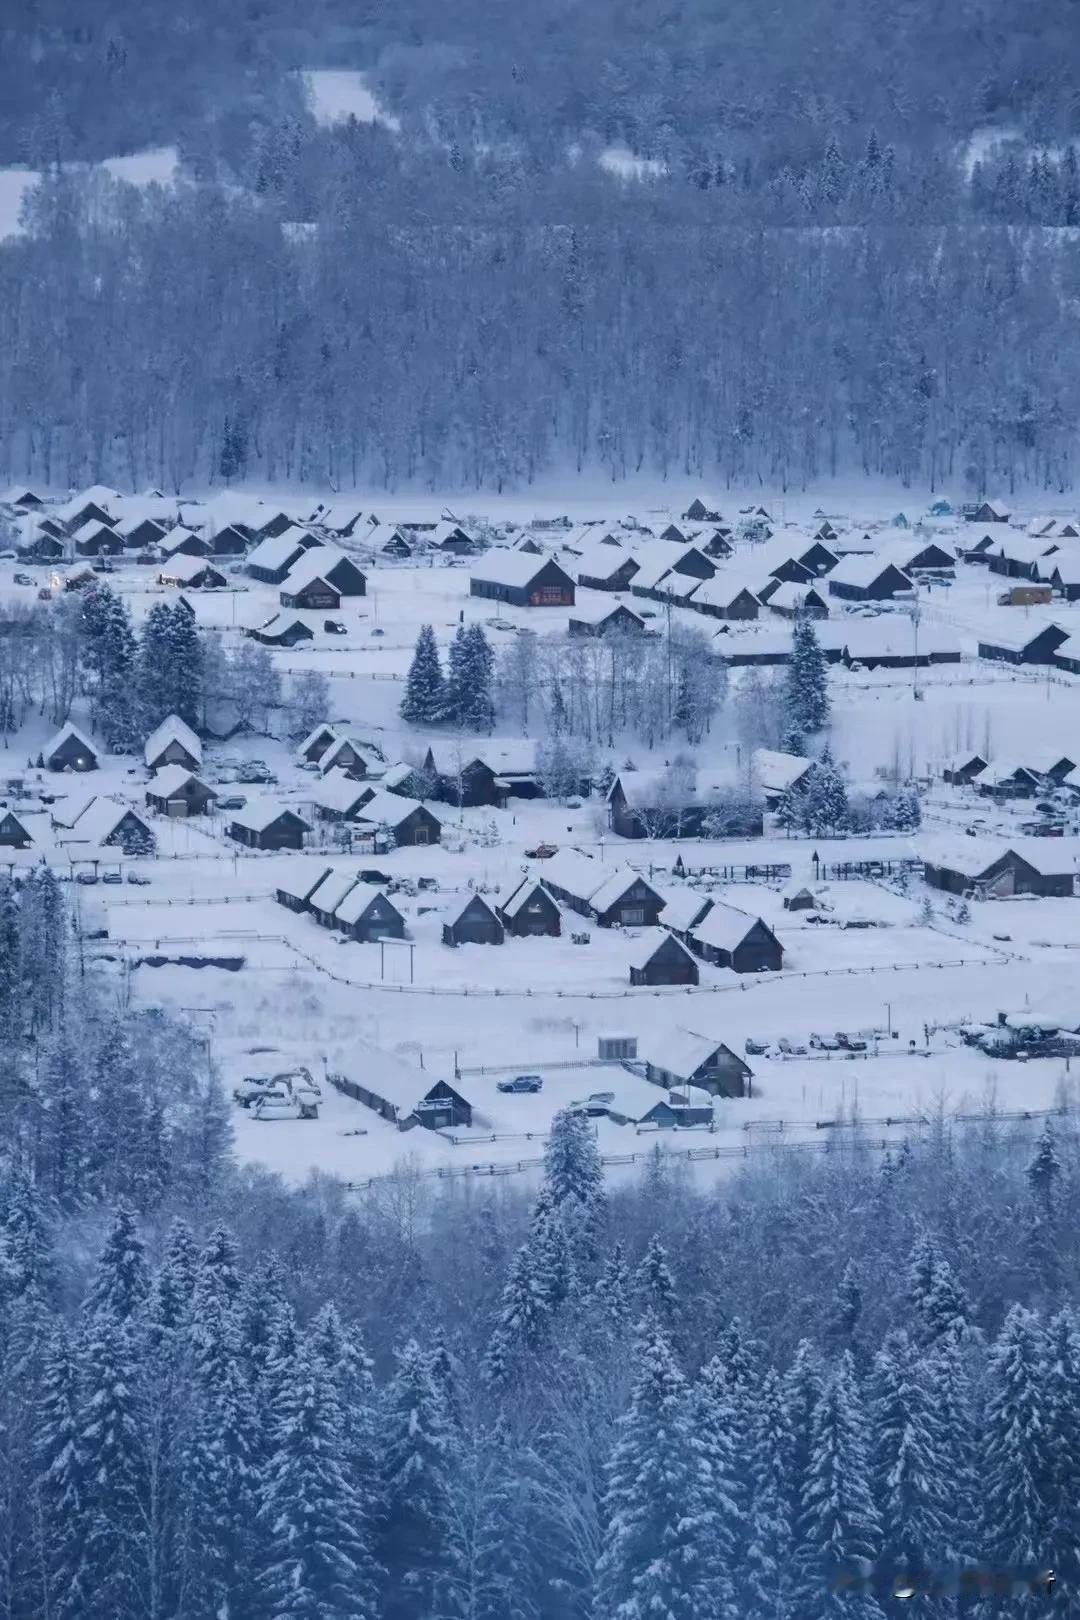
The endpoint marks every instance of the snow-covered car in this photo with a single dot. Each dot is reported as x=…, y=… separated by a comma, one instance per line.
x=790, y=1048
x=756, y=1048
x=850, y=1043
x=520, y=1083
x=252, y=1088
x=277, y=1105
x=111, y=877
x=824, y=1043
x=235, y=801
x=138, y=880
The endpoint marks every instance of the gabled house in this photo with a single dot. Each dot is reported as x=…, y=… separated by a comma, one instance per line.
x=273, y=557
x=92, y=504
x=231, y=540
x=986, y=870
x=603, y=567
x=988, y=512
x=964, y=768
x=868, y=579
x=475, y=923
x=191, y=573
x=675, y=1058
x=315, y=744
x=606, y=619
x=450, y=537
x=789, y=600
x=172, y=743
x=927, y=557
x=1006, y=779
x=139, y=533
x=401, y=1093
x=340, y=797
x=70, y=750
x=13, y=835
x=44, y=546
x=775, y=772
x=95, y=539
x=22, y=495
x=107, y=824
x=351, y=756
x=726, y=597
x=320, y=578
x=1017, y=556
x=662, y=959
x=262, y=824
x=182, y=542
x=817, y=558
x=615, y=899
x=521, y=580
x=285, y=629
x=1030, y=645
x=656, y=804
x=406, y=820
x=698, y=512
x=177, y=792
x=369, y=916
x=324, y=900
x=342, y=520
x=528, y=909
x=298, y=883
x=727, y=937
x=1065, y=577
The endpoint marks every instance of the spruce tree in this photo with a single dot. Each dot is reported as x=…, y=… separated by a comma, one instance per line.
x=719, y=1503
x=655, y=1286
x=460, y=679
x=114, y=1485
x=572, y=1167
x=768, y=1552
x=479, y=703
x=840, y=1532
x=60, y=1479
x=1017, y=1468
x=656, y=1553
x=807, y=683
x=121, y=1282
x=1062, y=1488
x=319, y=1564
x=425, y=697
x=416, y=1544
x=911, y=1476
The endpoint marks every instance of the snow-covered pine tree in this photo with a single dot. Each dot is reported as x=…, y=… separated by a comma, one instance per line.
x=1062, y=1406
x=11, y=967
x=121, y=1282
x=416, y=1542
x=60, y=1477
x=911, y=1478
x=1017, y=1467
x=657, y=1548
x=1042, y=1237
x=154, y=677
x=656, y=1294
x=572, y=1167
x=767, y=1581
x=946, y=1372
x=460, y=679
x=424, y=703
x=843, y=1327
x=719, y=1504
x=479, y=706
x=807, y=684
x=525, y=1309
x=839, y=1537
x=319, y=1563
x=828, y=795
x=185, y=664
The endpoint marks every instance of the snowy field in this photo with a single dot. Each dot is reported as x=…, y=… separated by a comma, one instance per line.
x=883, y=962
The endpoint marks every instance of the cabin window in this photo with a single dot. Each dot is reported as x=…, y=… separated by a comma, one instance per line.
x=549, y=593
x=633, y=915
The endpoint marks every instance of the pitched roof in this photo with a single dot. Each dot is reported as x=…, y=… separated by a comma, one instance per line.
x=300, y=878
x=97, y=495
x=679, y=1051
x=171, y=778
x=724, y=927
x=1050, y=857
x=577, y=874
x=69, y=729
x=172, y=729
x=313, y=565
x=862, y=572
x=357, y=901
x=512, y=568
x=332, y=890
x=652, y=940
x=99, y=821
x=614, y=887
x=390, y=809
x=468, y=904
x=682, y=908
x=313, y=735
x=338, y=791
x=514, y=899
x=258, y=814
x=275, y=551
x=777, y=771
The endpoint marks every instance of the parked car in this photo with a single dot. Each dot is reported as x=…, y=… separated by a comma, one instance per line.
x=112, y=877
x=23, y=579
x=138, y=880
x=824, y=1043
x=277, y=1105
x=542, y=852
x=44, y=593
x=369, y=874
x=756, y=1048
x=521, y=1083
x=86, y=877
x=850, y=1043
x=791, y=1048
x=334, y=627
x=235, y=801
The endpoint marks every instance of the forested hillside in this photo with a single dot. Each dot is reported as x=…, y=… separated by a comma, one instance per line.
x=821, y=271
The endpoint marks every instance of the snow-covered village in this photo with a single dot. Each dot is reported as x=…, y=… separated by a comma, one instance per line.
x=539, y=812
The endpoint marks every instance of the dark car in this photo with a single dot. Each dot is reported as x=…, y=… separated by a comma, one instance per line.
x=850, y=1043
x=520, y=1083
x=371, y=875
x=334, y=627
x=236, y=801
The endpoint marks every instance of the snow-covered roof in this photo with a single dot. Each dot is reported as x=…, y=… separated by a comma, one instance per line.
x=400, y=772
x=614, y=887
x=600, y=612
x=657, y=788
x=776, y=771
x=258, y=814
x=597, y=560
x=337, y=791
x=897, y=638
x=722, y=590
x=390, y=809
x=1050, y=857
x=724, y=927
x=300, y=878
x=275, y=550
x=357, y=901
x=1066, y=564
x=862, y=571
x=67, y=730
x=397, y=1082
x=511, y=568
x=516, y=896
x=67, y=811
x=469, y=901
x=682, y=907
x=87, y=530
x=650, y=942
x=312, y=736
x=172, y=729
x=233, y=506
x=1002, y=632
x=313, y=565
x=372, y=762
x=175, y=538
x=332, y=890
x=280, y=623
x=186, y=568
x=679, y=1051
x=99, y=821
x=578, y=874
x=127, y=526
x=791, y=596
x=340, y=516
x=97, y=495
x=171, y=778
x=655, y=559
x=131, y=510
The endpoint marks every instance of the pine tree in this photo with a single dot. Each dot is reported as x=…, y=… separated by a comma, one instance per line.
x=424, y=702
x=1062, y=1478
x=11, y=968
x=946, y=1373
x=1017, y=1467
x=572, y=1167
x=60, y=1476
x=768, y=1575
x=460, y=677
x=657, y=1548
x=844, y=1322
x=524, y=1313
x=839, y=1533
x=719, y=1503
x=655, y=1286
x=174, y=1282
x=479, y=710
x=121, y=1281
x=807, y=683
x=416, y=1541
x=320, y=1564
x=1042, y=1236
x=911, y=1476
x=111, y=1443
x=829, y=811
x=185, y=664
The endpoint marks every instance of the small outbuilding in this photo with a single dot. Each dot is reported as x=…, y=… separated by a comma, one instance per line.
x=172, y=743
x=368, y=916
x=676, y=1058
x=528, y=910
x=70, y=750
x=663, y=959
x=727, y=937
x=262, y=824
x=177, y=792
x=13, y=835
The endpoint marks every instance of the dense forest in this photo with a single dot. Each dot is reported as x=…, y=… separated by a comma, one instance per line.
x=822, y=274
x=799, y=1392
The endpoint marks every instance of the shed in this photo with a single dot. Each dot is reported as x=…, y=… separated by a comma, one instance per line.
x=172, y=743
x=986, y=869
x=521, y=580
x=797, y=897
x=476, y=923
x=315, y=744
x=400, y=1092
x=626, y=900
x=70, y=750
x=285, y=629
x=408, y=821
x=193, y=573
x=605, y=620
x=181, y=542
x=13, y=835
x=355, y=758
x=262, y=824
x=298, y=883
x=96, y=539
x=868, y=579
x=273, y=557
x=662, y=959
x=680, y=1057
x=177, y=792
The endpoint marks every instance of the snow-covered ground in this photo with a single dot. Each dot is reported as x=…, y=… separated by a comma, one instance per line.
x=534, y=1005
x=338, y=94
